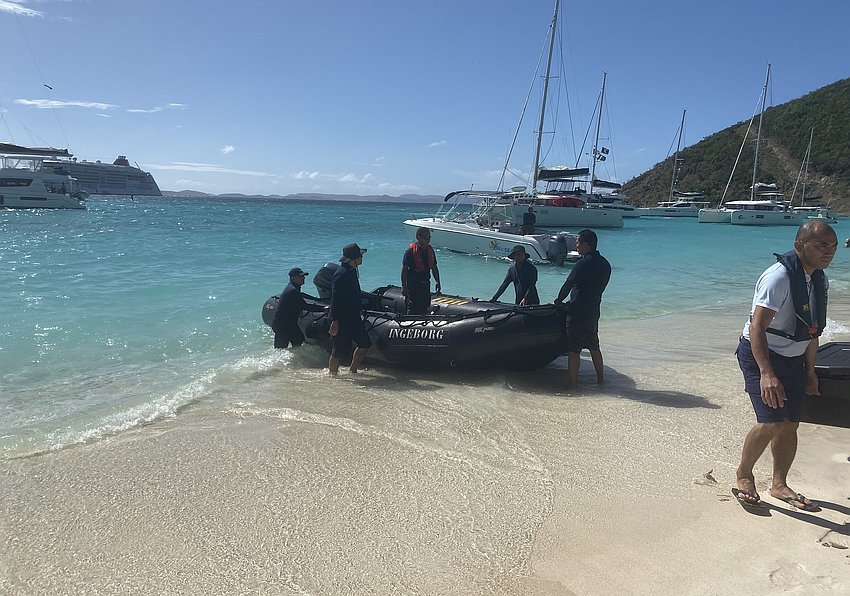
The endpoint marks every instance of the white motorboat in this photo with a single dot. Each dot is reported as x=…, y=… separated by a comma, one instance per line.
x=487, y=231
x=26, y=184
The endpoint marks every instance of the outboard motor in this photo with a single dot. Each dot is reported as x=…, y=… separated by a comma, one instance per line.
x=323, y=279
x=560, y=245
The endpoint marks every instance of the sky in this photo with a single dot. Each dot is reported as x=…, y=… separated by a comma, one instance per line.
x=394, y=96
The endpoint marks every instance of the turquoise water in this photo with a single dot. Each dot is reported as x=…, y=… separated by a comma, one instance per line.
x=126, y=312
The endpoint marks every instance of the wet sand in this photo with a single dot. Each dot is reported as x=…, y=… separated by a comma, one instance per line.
x=392, y=483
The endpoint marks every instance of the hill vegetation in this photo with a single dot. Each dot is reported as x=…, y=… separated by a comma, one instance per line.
x=706, y=166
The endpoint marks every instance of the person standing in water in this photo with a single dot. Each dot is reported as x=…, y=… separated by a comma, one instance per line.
x=346, y=312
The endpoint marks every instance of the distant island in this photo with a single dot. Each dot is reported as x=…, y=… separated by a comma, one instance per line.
x=308, y=196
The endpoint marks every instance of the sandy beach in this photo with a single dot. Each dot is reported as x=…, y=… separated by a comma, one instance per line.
x=396, y=483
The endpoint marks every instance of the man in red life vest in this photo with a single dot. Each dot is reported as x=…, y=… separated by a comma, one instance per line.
x=416, y=267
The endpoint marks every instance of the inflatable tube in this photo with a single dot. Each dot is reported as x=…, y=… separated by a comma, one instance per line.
x=460, y=332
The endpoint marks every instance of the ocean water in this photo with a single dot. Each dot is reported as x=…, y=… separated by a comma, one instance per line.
x=138, y=310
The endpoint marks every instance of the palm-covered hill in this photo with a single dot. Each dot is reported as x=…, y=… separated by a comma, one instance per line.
x=785, y=136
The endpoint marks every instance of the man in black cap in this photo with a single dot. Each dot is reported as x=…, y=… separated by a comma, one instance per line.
x=346, y=312
x=417, y=264
x=524, y=277
x=289, y=307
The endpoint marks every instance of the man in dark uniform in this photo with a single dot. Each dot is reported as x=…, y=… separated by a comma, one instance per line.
x=524, y=277
x=346, y=312
x=584, y=286
x=416, y=266
x=528, y=221
x=289, y=307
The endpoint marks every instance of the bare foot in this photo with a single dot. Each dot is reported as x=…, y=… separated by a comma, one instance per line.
x=795, y=499
x=747, y=491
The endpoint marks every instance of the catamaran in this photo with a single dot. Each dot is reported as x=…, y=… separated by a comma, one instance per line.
x=766, y=205
x=26, y=184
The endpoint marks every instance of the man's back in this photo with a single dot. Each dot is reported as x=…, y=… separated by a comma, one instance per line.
x=586, y=283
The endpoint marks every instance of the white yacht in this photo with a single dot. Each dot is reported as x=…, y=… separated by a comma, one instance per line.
x=117, y=178
x=679, y=203
x=487, y=230
x=766, y=206
x=677, y=208
x=26, y=184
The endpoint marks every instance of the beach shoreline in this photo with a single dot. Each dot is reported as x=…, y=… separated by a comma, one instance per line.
x=400, y=483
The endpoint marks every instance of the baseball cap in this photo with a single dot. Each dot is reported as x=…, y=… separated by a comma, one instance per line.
x=297, y=272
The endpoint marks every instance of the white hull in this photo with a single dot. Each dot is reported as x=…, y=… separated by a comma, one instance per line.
x=551, y=216
x=99, y=178
x=36, y=191
x=470, y=238
x=669, y=211
x=714, y=216
x=747, y=217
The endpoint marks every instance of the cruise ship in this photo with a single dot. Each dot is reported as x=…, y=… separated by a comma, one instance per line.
x=117, y=178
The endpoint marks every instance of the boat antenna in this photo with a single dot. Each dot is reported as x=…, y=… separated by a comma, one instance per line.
x=758, y=133
x=676, y=156
x=545, y=92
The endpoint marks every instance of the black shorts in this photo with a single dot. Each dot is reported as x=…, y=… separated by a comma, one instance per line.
x=580, y=336
x=289, y=335
x=792, y=374
x=418, y=298
x=352, y=332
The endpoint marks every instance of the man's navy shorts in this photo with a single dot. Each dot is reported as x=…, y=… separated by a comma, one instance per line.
x=791, y=372
x=354, y=331
x=580, y=336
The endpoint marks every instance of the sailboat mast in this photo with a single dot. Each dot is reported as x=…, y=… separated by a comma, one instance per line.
x=595, y=153
x=545, y=94
x=758, y=134
x=676, y=155
x=806, y=173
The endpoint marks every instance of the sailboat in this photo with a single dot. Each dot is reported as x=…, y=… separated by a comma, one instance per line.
x=766, y=205
x=561, y=186
x=552, y=207
x=678, y=203
x=812, y=210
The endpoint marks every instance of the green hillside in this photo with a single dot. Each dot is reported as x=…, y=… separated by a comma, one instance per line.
x=785, y=135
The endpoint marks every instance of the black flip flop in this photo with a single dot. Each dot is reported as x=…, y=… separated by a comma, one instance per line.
x=740, y=496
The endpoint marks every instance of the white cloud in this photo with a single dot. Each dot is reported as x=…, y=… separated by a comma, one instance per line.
x=54, y=103
x=16, y=8
x=168, y=106
x=204, y=167
x=302, y=175
x=228, y=149
x=104, y=115
x=437, y=144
